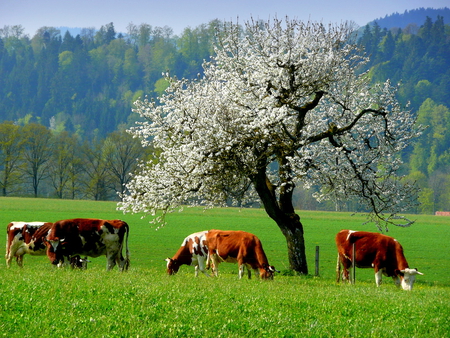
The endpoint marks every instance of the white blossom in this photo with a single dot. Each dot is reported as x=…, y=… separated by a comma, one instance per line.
x=285, y=98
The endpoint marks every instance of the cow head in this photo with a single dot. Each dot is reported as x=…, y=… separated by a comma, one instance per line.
x=267, y=271
x=172, y=266
x=408, y=277
x=76, y=262
x=55, y=251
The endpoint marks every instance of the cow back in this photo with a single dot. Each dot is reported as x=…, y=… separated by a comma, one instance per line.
x=89, y=237
x=191, y=250
x=233, y=246
x=38, y=239
x=81, y=236
x=372, y=249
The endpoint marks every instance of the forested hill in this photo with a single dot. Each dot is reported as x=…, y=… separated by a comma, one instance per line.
x=415, y=17
x=88, y=82
x=419, y=59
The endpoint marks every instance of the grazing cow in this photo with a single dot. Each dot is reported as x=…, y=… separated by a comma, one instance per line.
x=374, y=250
x=193, y=251
x=241, y=247
x=89, y=237
x=76, y=262
x=23, y=238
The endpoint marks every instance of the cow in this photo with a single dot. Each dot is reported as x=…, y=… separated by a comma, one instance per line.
x=25, y=238
x=374, y=250
x=89, y=237
x=76, y=262
x=193, y=251
x=241, y=247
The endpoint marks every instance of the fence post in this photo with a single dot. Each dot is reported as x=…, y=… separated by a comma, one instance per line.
x=317, y=260
x=353, y=279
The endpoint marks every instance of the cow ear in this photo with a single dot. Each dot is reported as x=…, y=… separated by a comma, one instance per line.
x=168, y=259
x=417, y=272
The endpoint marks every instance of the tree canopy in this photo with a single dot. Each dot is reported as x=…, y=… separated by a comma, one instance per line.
x=280, y=104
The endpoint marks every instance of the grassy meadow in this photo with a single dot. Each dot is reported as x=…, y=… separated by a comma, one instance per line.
x=40, y=300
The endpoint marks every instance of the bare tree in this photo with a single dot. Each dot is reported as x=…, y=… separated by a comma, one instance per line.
x=11, y=144
x=122, y=153
x=36, y=154
x=63, y=160
x=96, y=176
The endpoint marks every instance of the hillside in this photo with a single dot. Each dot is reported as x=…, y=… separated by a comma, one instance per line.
x=413, y=17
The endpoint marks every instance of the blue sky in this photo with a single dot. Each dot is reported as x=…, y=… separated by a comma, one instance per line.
x=179, y=14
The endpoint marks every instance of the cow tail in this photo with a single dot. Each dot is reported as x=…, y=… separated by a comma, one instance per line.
x=338, y=269
x=7, y=246
x=127, y=251
x=208, y=261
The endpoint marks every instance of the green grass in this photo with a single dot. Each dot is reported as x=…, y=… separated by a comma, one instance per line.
x=40, y=300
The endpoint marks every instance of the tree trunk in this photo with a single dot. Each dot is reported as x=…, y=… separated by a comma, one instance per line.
x=293, y=232
x=283, y=214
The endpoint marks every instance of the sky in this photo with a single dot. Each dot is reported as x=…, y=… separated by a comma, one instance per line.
x=180, y=14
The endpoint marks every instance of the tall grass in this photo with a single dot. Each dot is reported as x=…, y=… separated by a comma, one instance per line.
x=40, y=300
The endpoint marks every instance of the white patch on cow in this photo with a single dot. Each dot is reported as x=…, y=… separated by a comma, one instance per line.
x=83, y=240
x=54, y=244
x=349, y=233
x=20, y=225
x=111, y=242
x=378, y=276
x=17, y=247
x=17, y=225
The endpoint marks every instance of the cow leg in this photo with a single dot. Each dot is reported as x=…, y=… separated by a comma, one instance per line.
x=110, y=262
x=338, y=269
x=8, y=261
x=19, y=260
x=201, y=266
x=214, y=264
x=346, y=264
x=241, y=270
x=378, y=275
x=123, y=263
x=397, y=280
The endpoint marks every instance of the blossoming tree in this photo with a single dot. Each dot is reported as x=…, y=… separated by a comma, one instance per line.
x=279, y=105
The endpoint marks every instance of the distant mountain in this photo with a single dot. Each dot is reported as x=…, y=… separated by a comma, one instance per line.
x=415, y=16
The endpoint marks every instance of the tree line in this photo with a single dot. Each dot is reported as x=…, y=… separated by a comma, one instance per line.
x=37, y=161
x=85, y=85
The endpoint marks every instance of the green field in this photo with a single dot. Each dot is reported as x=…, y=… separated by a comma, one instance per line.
x=40, y=300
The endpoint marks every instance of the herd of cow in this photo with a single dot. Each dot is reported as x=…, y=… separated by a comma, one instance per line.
x=65, y=241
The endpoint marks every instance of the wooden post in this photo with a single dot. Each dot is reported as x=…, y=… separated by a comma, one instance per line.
x=317, y=260
x=353, y=279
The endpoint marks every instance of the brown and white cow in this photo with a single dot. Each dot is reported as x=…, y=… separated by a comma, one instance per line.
x=374, y=250
x=89, y=237
x=193, y=251
x=25, y=238
x=241, y=247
